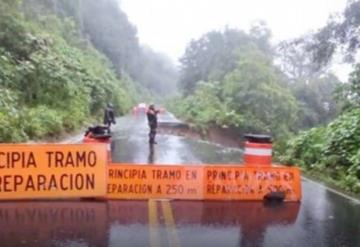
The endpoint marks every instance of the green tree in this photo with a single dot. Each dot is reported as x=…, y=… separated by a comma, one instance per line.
x=350, y=93
x=215, y=54
x=47, y=83
x=248, y=98
x=253, y=90
x=313, y=88
x=106, y=26
x=317, y=102
x=340, y=34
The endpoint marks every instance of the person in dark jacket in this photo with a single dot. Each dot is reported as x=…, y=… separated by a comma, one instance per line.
x=152, y=121
x=109, y=116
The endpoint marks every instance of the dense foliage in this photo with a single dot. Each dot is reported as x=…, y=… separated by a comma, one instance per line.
x=341, y=34
x=107, y=27
x=233, y=79
x=215, y=54
x=333, y=152
x=230, y=78
x=48, y=85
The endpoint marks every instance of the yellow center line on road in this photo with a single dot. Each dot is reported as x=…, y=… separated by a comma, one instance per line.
x=153, y=224
x=170, y=224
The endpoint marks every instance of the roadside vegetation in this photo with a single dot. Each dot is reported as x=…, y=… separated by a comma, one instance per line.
x=239, y=80
x=60, y=66
x=332, y=152
x=236, y=79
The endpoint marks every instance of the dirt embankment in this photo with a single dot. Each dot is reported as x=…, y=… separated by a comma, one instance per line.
x=223, y=136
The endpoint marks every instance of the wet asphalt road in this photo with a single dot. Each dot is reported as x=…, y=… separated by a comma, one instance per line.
x=323, y=218
x=130, y=144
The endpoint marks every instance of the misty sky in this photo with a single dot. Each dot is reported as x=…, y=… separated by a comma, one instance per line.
x=168, y=25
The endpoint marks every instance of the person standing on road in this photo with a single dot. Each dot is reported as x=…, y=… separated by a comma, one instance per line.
x=109, y=116
x=152, y=121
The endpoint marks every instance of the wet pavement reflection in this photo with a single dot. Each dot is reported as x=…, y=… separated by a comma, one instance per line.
x=323, y=218
x=130, y=223
x=320, y=222
x=53, y=223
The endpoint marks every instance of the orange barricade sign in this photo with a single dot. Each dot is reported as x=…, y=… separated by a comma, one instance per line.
x=144, y=182
x=52, y=171
x=220, y=182
x=251, y=183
